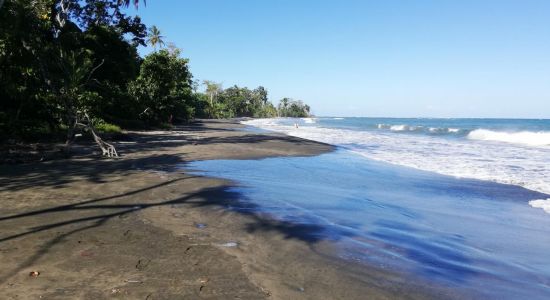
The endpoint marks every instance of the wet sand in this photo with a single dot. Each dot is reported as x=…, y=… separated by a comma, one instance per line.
x=140, y=227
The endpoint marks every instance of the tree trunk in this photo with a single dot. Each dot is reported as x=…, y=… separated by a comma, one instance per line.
x=73, y=123
x=71, y=130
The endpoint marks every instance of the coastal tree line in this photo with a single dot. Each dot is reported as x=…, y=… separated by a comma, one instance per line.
x=69, y=66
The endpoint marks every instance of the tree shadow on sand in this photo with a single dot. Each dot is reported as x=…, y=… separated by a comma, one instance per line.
x=59, y=173
x=86, y=214
x=220, y=196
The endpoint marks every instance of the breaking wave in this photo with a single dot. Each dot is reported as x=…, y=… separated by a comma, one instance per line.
x=530, y=138
x=420, y=129
x=455, y=151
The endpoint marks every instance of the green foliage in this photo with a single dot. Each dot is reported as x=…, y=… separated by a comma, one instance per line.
x=105, y=127
x=59, y=61
x=163, y=88
x=235, y=102
x=267, y=111
x=293, y=108
x=120, y=59
x=56, y=60
x=201, y=104
x=24, y=101
x=90, y=13
x=154, y=38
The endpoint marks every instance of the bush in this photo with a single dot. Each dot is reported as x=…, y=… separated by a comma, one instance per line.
x=163, y=88
x=104, y=127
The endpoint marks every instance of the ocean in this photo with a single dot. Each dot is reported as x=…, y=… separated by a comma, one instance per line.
x=458, y=203
x=511, y=151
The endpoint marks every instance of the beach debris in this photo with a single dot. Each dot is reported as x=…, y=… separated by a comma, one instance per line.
x=229, y=244
x=204, y=280
x=34, y=274
x=119, y=290
x=300, y=289
x=265, y=291
x=133, y=281
x=200, y=225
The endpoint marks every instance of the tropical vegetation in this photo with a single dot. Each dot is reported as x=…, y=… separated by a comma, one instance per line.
x=72, y=66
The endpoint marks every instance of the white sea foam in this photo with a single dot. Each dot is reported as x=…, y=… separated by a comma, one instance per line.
x=443, y=130
x=403, y=128
x=530, y=138
x=337, y=118
x=308, y=120
x=398, y=127
x=541, y=203
x=487, y=160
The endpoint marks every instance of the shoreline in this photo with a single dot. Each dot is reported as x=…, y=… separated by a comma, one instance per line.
x=416, y=137
x=139, y=227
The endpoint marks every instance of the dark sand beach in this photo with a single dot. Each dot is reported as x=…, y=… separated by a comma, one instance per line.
x=274, y=150
x=141, y=228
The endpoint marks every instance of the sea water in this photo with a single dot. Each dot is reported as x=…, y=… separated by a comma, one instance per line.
x=480, y=238
x=511, y=151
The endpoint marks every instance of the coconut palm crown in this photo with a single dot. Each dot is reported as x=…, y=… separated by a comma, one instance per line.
x=154, y=37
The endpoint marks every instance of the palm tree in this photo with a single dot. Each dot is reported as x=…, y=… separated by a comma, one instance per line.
x=154, y=38
x=212, y=89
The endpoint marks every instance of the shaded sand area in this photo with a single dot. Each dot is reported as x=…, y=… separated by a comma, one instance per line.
x=140, y=228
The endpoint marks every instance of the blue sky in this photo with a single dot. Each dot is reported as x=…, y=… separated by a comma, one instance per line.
x=371, y=58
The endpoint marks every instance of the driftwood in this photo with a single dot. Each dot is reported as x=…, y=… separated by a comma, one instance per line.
x=83, y=120
x=106, y=148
